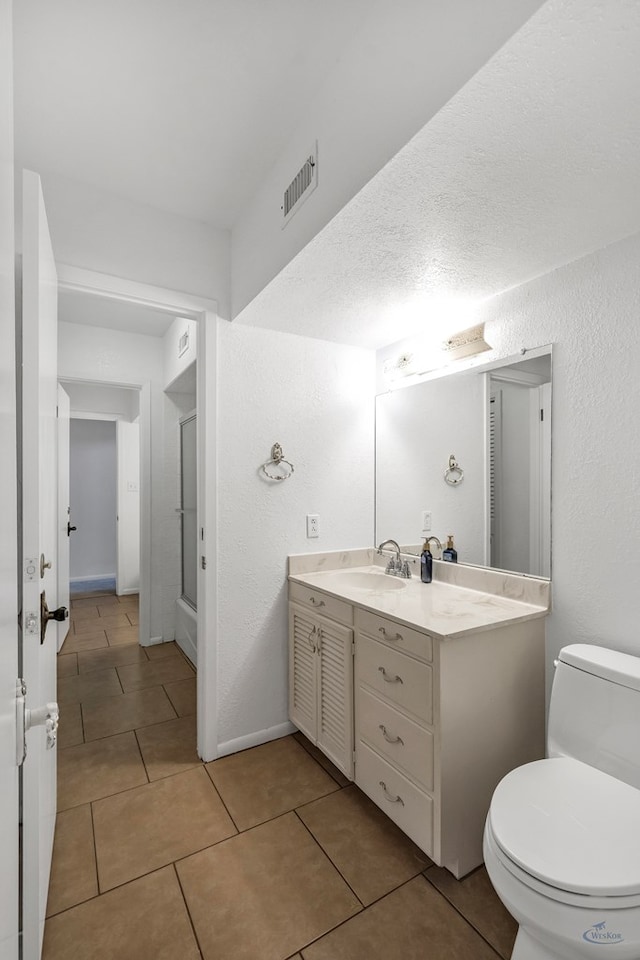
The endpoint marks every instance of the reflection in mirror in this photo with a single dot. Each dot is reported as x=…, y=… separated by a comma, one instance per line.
x=496, y=422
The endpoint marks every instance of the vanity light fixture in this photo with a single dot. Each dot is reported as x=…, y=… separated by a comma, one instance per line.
x=466, y=343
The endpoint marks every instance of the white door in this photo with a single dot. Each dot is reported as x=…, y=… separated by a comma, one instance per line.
x=8, y=526
x=65, y=523
x=39, y=537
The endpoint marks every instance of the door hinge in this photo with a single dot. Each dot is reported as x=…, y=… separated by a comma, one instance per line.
x=203, y=563
x=353, y=758
x=353, y=649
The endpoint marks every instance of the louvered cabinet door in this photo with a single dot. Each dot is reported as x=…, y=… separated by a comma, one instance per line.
x=303, y=668
x=335, y=694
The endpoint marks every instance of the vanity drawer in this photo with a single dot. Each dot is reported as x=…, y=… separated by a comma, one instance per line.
x=395, y=634
x=322, y=603
x=396, y=677
x=398, y=739
x=403, y=802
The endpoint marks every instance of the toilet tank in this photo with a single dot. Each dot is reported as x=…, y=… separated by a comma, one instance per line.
x=594, y=714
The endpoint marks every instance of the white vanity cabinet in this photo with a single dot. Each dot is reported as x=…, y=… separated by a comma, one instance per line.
x=321, y=672
x=438, y=723
x=434, y=720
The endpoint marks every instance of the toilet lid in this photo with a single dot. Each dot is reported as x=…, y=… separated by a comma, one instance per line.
x=571, y=826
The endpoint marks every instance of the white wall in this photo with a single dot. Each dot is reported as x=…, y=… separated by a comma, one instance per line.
x=175, y=365
x=407, y=61
x=128, y=447
x=93, y=498
x=589, y=310
x=93, y=353
x=316, y=399
x=109, y=402
x=100, y=231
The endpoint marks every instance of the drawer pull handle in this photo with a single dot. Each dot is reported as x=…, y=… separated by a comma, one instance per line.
x=388, y=738
x=388, y=796
x=389, y=679
x=384, y=633
x=316, y=603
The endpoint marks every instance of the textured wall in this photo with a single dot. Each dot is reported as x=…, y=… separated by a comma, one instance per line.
x=316, y=400
x=589, y=311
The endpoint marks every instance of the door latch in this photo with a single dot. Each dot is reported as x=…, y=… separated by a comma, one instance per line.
x=47, y=716
x=60, y=615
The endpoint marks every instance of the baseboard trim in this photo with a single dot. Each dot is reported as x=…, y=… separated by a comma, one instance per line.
x=255, y=739
x=130, y=591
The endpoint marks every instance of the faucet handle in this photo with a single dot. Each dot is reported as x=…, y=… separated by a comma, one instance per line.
x=406, y=572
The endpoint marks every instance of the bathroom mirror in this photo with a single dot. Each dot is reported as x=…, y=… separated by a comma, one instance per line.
x=495, y=421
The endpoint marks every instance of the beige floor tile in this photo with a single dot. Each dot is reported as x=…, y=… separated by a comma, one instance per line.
x=182, y=694
x=160, y=651
x=136, y=676
x=87, y=628
x=133, y=598
x=323, y=760
x=412, y=923
x=133, y=617
x=109, y=608
x=114, y=621
x=73, y=868
x=77, y=644
x=123, y=635
x=110, y=657
x=168, y=748
x=264, y=893
x=144, y=920
x=85, y=612
x=104, y=718
x=89, y=686
x=476, y=899
x=70, y=729
x=98, y=769
x=370, y=852
x=67, y=665
x=146, y=828
x=266, y=781
x=91, y=599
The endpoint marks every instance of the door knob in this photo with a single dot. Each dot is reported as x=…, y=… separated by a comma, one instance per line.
x=70, y=529
x=45, y=615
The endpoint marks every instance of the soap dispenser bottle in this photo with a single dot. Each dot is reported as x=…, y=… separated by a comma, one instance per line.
x=426, y=563
x=450, y=553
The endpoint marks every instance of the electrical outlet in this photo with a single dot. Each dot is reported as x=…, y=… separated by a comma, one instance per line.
x=426, y=521
x=313, y=525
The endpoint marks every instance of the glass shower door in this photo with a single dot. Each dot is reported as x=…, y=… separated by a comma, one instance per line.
x=188, y=488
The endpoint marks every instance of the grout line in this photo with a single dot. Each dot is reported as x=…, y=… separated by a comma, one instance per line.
x=223, y=802
x=142, y=758
x=334, y=865
x=186, y=904
x=303, y=744
x=95, y=847
x=458, y=910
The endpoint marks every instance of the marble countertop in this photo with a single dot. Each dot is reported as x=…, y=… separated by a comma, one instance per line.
x=444, y=610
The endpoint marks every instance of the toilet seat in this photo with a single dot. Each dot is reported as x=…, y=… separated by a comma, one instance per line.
x=569, y=831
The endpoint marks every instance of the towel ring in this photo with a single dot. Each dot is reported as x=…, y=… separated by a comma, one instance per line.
x=454, y=474
x=277, y=458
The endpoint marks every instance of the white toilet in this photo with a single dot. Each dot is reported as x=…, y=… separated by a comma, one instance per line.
x=562, y=838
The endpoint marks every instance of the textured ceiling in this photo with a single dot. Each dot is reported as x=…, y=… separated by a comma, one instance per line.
x=180, y=105
x=534, y=163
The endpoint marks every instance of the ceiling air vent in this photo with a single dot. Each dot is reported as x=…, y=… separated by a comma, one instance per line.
x=302, y=186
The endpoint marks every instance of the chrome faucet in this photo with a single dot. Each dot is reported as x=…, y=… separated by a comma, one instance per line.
x=396, y=567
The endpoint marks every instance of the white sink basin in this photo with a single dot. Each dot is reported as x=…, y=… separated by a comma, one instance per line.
x=363, y=580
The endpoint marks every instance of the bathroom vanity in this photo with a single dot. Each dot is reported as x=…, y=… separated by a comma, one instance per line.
x=425, y=694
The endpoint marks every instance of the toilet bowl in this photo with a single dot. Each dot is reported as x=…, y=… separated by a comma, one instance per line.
x=562, y=849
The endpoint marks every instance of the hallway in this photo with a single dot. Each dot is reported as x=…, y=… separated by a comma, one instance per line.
x=268, y=854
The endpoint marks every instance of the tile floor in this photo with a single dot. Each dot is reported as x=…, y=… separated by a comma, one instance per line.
x=269, y=854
